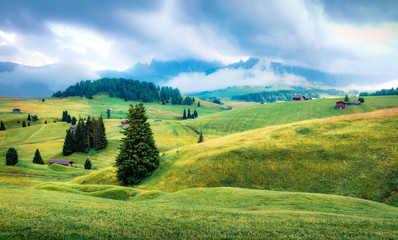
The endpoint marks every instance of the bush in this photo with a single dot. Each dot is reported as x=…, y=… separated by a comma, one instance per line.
x=87, y=164
x=11, y=157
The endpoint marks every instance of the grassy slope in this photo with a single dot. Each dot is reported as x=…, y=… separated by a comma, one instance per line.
x=353, y=156
x=224, y=123
x=216, y=213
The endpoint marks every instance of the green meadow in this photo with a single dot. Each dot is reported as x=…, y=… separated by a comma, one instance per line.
x=287, y=170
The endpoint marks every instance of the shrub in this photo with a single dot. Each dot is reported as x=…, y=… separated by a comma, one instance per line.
x=11, y=157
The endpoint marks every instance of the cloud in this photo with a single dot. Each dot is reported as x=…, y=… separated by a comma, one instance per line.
x=56, y=76
x=259, y=75
x=375, y=86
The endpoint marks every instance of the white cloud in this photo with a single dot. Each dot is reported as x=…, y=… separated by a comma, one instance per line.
x=259, y=75
x=376, y=86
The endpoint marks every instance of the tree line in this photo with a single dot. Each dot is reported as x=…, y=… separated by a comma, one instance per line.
x=274, y=96
x=189, y=115
x=127, y=89
x=382, y=92
x=88, y=135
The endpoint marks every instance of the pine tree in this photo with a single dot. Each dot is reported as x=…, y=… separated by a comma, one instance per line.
x=102, y=133
x=28, y=124
x=89, y=129
x=29, y=119
x=11, y=157
x=198, y=103
x=23, y=124
x=346, y=99
x=184, y=115
x=189, y=113
x=37, y=158
x=68, y=119
x=80, y=143
x=195, y=114
x=138, y=156
x=45, y=122
x=87, y=164
x=201, y=139
x=43, y=100
x=2, y=127
x=73, y=121
x=68, y=144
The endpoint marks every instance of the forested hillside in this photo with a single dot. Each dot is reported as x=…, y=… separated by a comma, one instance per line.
x=127, y=89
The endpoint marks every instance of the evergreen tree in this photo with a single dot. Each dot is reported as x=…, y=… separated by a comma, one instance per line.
x=89, y=130
x=184, y=115
x=68, y=148
x=198, y=103
x=2, y=127
x=189, y=114
x=68, y=119
x=23, y=124
x=43, y=100
x=201, y=139
x=64, y=116
x=37, y=158
x=29, y=119
x=361, y=99
x=346, y=99
x=73, y=121
x=195, y=114
x=11, y=157
x=87, y=164
x=138, y=156
x=80, y=144
x=28, y=124
x=45, y=122
x=102, y=134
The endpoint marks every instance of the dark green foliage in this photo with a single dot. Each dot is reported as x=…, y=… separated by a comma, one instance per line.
x=29, y=119
x=195, y=114
x=361, y=99
x=184, y=115
x=127, y=89
x=138, y=156
x=102, y=141
x=23, y=124
x=87, y=164
x=198, y=104
x=68, y=119
x=200, y=139
x=43, y=100
x=80, y=142
x=73, y=121
x=2, y=127
x=37, y=158
x=346, y=98
x=64, y=116
x=189, y=114
x=108, y=112
x=45, y=122
x=68, y=148
x=28, y=124
x=11, y=157
x=382, y=92
x=35, y=118
x=189, y=100
x=217, y=101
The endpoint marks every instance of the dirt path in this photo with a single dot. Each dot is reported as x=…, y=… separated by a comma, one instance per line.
x=196, y=131
x=31, y=175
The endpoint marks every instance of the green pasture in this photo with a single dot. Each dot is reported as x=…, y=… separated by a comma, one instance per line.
x=62, y=211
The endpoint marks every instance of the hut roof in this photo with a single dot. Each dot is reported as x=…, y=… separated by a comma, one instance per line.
x=60, y=161
x=341, y=102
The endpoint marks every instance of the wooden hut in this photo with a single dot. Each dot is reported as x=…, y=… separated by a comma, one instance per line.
x=341, y=105
x=16, y=110
x=61, y=162
x=298, y=98
x=125, y=124
x=354, y=103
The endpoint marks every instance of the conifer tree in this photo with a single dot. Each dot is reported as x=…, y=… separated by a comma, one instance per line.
x=184, y=115
x=2, y=127
x=28, y=124
x=37, y=158
x=29, y=119
x=23, y=124
x=189, y=113
x=11, y=157
x=73, y=121
x=198, y=103
x=45, y=122
x=43, y=100
x=87, y=164
x=89, y=130
x=101, y=134
x=346, y=99
x=68, y=119
x=80, y=144
x=195, y=114
x=138, y=156
x=200, y=139
x=68, y=148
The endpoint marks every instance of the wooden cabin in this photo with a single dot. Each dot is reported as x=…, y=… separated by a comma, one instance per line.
x=61, y=162
x=16, y=110
x=72, y=128
x=341, y=105
x=298, y=98
x=229, y=108
x=307, y=98
x=125, y=124
x=157, y=120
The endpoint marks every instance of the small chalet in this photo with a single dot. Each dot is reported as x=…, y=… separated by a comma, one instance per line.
x=72, y=128
x=307, y=98
x=354, y=103
x=298, y=98
x=16, y=110
x=157, y=120
x=229, y=108
x=61, y=162
x=125, y=124
x=341, y=105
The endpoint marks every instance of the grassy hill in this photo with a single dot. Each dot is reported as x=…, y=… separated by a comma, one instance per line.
x=258, y=116
x=82, y=212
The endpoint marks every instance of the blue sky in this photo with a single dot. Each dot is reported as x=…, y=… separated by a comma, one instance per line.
x=74, y=39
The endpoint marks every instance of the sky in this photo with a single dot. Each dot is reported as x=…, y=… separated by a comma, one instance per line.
x=71, y=40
